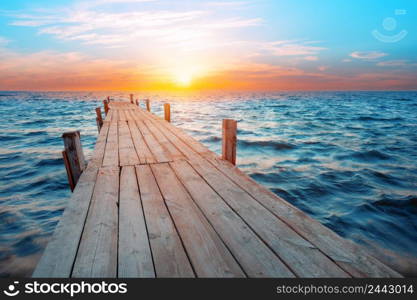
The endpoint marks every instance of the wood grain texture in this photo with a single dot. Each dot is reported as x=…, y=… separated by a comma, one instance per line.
x=111, y=153
x=170, y=258
x=127, y=152
x=98, y=153
x=159, y=152
x=74, y=154
x=302, y=257
x=254, y=256
x=348, y=255
x=167, y=112
x=229, y=128
x=135, y=257
x=97, y=253
x=207, y=252
x=172, y=152
x=142, y=150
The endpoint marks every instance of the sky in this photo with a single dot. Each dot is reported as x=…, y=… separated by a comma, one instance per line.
x=253, y=45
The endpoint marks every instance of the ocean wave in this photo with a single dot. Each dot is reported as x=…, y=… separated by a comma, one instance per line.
x=371, y=118
x=277, y=145
x=365, y=156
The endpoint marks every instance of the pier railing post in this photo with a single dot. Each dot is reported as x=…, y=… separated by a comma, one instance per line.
x=167, y=112
x=106, y=106
x=73, y=157
x=148, y=105
x=68, y=168
x=131, y=98
x=99, y=118
x=229, y=140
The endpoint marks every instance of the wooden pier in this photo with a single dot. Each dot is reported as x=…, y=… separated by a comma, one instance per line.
x=154, y=202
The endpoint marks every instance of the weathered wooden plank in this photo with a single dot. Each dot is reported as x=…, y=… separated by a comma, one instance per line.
x=135, y=258
x=127, y=152
x=349, y=256
x=253, y=255
x=111, y=153
x=59, y=255
x=129, y=115
x=109, y=115
x=97, y=254
x=98, y=154
x=115, y=116
x=188, y=151
x=207, y=252
x=159, y=153
x=169, y=256
x=304, y=259
x=163, y=141
x=142, y=150
x=180, y=134
x=122, y=115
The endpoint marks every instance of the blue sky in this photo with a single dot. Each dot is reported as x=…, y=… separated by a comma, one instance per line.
x=250, y=44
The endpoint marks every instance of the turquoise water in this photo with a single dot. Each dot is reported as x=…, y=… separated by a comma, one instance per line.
x=346, y=158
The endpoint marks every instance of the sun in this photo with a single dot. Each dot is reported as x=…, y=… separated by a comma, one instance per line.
x=183, y=79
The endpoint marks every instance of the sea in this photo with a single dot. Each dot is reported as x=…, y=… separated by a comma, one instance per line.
x=346, y=158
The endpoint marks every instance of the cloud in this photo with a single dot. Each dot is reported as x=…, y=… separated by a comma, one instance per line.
x=228, y=4
x=126, y=26
x=293, y=48
x=51, y=70
x=311, y=58
x=3, y=41
x=392, y=63
x=235, y=23
x=370, y=55
x=95, y=3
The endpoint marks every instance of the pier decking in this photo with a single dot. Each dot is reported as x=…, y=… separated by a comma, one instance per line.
x=154, y=202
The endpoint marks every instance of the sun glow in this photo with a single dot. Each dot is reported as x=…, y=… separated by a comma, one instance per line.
x=185, y=75
x=183, y=79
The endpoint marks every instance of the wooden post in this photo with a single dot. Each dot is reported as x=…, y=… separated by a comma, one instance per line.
x=73, y=157
x=99, y=118
x=106, y=106
x=131, y=98
x=148, y=105
x=167, y=112
x=229, y=140
x=68, y=168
